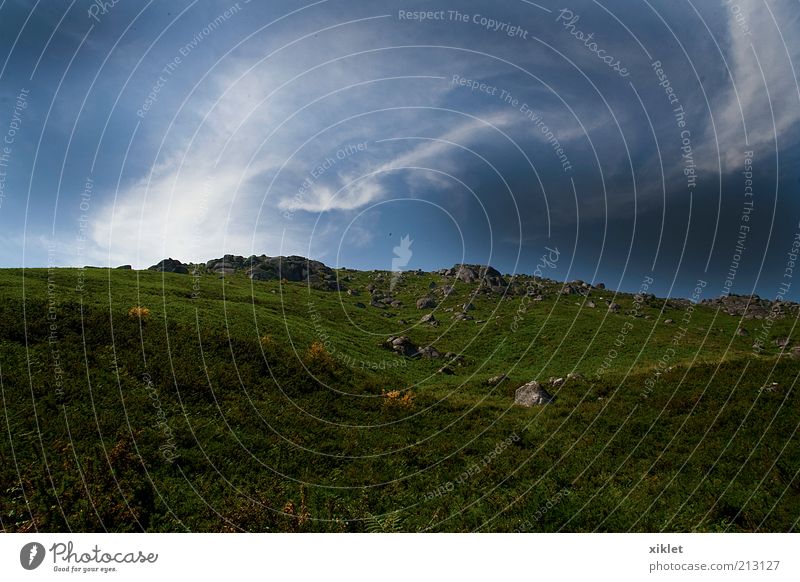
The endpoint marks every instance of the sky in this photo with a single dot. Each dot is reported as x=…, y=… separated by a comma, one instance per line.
x=628, y=140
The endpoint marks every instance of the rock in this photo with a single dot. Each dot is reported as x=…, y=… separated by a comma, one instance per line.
x=752, y=306
x=495, y=380
x=532, y=393
x=574, y=376
x=555, y=382
x=401, y=345
x=782, y=342
x=377, y=304
x=462, y=317
x=483, y=274
x=170, y=266
x=590, y=304
x=352, y=292
x=614, y=307
x=429, y=318
x=795, y=353
x=742, y=332
x=426, y=303
x=361, y=305
x=396, y=304
x=467, y=307
x=446, y=370
x=668, y=322
x=429, y=352
x=600, y=286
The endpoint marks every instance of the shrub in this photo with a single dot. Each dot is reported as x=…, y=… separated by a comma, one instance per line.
x=139, y=312
x=398, y=398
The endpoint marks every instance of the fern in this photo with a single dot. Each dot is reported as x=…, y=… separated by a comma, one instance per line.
x=387, y=523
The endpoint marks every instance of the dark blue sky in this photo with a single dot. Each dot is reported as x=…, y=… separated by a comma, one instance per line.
x=615, y=131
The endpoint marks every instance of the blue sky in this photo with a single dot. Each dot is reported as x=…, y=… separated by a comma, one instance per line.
x=332, y=129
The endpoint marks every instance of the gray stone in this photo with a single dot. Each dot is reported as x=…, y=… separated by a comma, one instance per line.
x=532, y=393
x=426, y=303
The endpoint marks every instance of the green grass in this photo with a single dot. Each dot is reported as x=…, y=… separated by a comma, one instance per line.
x=190, y=420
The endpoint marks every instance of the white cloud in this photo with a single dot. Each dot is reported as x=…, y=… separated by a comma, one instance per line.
x=756, y=45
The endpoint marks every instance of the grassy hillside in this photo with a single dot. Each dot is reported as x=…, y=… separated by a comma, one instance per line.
x=227, y=404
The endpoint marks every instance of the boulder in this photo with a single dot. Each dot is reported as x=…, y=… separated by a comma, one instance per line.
x=170, y=266
x=401, y=345
x=532, y=393
x=483, y=274
x=429, y=352
x=426, y=303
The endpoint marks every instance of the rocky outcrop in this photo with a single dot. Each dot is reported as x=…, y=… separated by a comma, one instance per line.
x=263, y=268
x=170, y=266
x=485, y=275
x=753, y=306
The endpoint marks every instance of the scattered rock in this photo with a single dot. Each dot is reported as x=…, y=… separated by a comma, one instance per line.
x=753, y=306
x=429, y=352
x=532, y=393
x=401, y=345
x=495, y=380
x=429, y=318
x=426, y=303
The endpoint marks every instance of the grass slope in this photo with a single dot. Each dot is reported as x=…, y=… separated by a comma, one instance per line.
x=216, y=412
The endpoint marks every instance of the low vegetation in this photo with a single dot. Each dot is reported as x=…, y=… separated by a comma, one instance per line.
x=231, y=404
